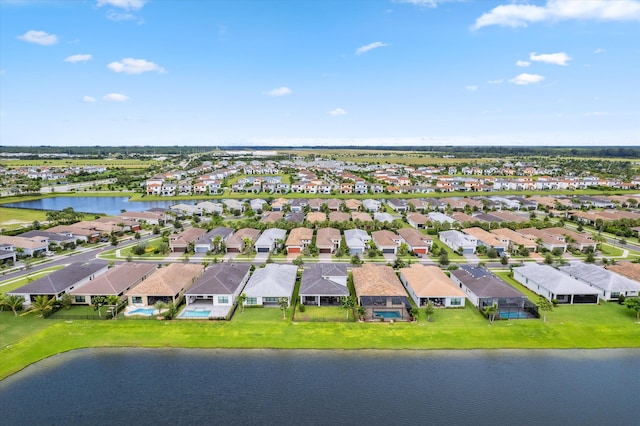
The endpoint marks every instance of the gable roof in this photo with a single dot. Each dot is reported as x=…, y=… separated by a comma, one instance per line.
x=483, y=283
x=297, y=235
x=552, y=279
x=274, y=280
x=414, y=238
x=326, y=236
x=600, y=277
x=116, y=280
x=222, y=278
x=59, y=280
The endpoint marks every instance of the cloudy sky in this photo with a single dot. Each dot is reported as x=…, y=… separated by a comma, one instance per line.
x=198, y=72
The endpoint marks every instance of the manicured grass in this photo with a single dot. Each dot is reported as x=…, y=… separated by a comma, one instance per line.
x=603, y=326
x=14, y=218
x=322, y=313
x=10, y=285
x=109, y=163
x=609, y=250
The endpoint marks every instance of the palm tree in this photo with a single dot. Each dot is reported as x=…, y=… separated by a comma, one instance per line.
x=284, y=304
x=491, y=312
x=248, y=244
x=113, y=301
x=429, y=310
x=545, y=306
x=241, y=299
x=348, y=303
x=12, y=301
x=98, y=302
x=41, y=304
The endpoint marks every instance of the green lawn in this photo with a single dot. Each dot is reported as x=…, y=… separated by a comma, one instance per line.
x=609, y=250
x=322, y=313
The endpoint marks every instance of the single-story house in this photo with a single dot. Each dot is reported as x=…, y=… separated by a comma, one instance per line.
x=550, y=242
x=234, y=205
x=328, y=240
x=547, y=281
x=484, y=289
x=30, y=246
x=339, y=217
x=219, y=286
x=323, y=284
x=430, y=284
x=272, y=217
x=456, y=240
x=416, y=240
x=270, y=283
x=116, y=281
x=299, y=239
x=514, y=239
x=61, y=281
x=206, y=242
x=236, y=243
x=487, y=239
x=269, y=239
x=187, y=209
x=418, y=220
x=316, y=217
x=180, y=242
x=610, y=284
x=52, y=238
x=361, y=216
x=386, y=241
x=383, y=217
x=380, y=292
x=209, y=207
x=7, y=253
x=371, y=205
x=356, y=240
x=152, y=218
x=166, y=284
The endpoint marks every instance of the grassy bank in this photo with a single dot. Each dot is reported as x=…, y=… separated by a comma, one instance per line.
x=26, y=340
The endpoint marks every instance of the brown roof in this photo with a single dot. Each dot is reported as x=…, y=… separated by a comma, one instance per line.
x=116, y=280
x=187, y=236
x=430, y=281
x=272, y=217
x=21, y=242
x=339, y=217
x=414, y=238
x=362, y=216
x=353, y=204
x=316, y=217
x=484, y=236
x=514, y=237
x=237, y=239
x=418, y=218
x=627, y=269
x=297, y=235
x=168, y=281
x=385, y=238
x=326, y=236
x=372, y=280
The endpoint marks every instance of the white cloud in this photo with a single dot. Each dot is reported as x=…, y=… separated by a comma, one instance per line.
x=88, y=99
x=498, y=81
x=426, y=3
x=521, y=15
x=124, y=4
x=338, y=111
x=280, y=91
x=525, y=79
x=523, y=63
x=135, y=66
x=117, y=16
x=598, y=50
x=39, y=37
x=559, y=58
x=78, y=58
x=471, y=88
x=371, y=46
x=115, y=97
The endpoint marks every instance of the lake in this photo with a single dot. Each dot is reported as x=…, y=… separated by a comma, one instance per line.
x=107, y=205
x=286, y=387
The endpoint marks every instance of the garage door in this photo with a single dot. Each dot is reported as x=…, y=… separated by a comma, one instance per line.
x=263, y=249
x=388, y=251
x=294, y=250
x=420, y=251
x=325, y=250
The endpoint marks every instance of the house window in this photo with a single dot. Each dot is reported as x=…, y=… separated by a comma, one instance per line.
x=615, y=294
x=252, y=300
x=396, y=301
x=456, y=301
x=136, y=299
x=223, y=299
x=80, y=299
x=270, y=299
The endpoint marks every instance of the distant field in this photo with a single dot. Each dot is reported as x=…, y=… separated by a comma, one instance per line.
x=15, y=218
x=397, y=157
x=132, y=163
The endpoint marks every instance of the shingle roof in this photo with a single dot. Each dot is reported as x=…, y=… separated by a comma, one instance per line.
x=223, y=278
x=628, y=269
x=297, y=235
x=274, y=280
x=553, y=280
x=61, y=279
x=483, y=283
x=373, y=280
x=325, y=280
x=430, y=281
x=325, y=237
x=116, y=280
x=168, y=281
x=601, y=278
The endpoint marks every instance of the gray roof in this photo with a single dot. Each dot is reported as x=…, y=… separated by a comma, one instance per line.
x=383, y=217
x=116, y=280
x=600, y=277
x=483, y=283
x=219, y=231
x=297, y=217
x=60, y=280
x=269, y=237
x=356, y=238
x=52, y=236
x=274, y=280
x=222, y=278
x=325, y=279
x=552, y=279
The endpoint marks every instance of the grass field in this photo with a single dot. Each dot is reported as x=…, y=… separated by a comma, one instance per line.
x=129, y=163
x=27, y=339
x=16, y=218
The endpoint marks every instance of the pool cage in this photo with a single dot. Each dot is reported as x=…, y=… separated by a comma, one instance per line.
x=377, y=306
x=510, y=308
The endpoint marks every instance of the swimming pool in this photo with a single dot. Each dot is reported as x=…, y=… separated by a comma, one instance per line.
x=387, y=314
x=513, y=315
x=195, y=314
x=142, y=311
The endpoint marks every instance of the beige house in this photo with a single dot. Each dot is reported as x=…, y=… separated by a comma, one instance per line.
x=380, y=292
x=429, y=284
x=166, y=284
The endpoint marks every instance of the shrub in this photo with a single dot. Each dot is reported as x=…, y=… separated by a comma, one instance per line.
x=301, y=307
x=621, y=299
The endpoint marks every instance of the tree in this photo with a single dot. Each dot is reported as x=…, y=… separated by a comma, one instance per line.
x=114, y=240
x=355, y=260
x=548, y=259
x=362, y=312
x=113, y=301
x=590, y=258
x=444, y=258
x=429, y=310
x=98, y=303
x=633, y=303
x=491, y=312
x=241, y=299
x=248, y=245
x=137, y=235
x=298, y=261
x=492, y=253
x=171, y=312
x=284, y=304
x=41, y=304
x=12, y=301
x=545, y=306
x=348, y=303
x=65, y=301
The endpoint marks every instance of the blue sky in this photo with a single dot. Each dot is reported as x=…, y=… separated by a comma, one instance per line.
x=368, y=72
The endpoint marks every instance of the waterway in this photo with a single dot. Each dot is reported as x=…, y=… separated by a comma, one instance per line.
x=288, y=387
x=107, y=205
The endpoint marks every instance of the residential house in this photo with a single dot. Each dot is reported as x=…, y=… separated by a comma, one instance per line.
x=356, y=240
x=186, y=209
x=339, y=217
x=234, y=206
x=180, y=242
x=51, y=238
x=371, y=205
x=418, y=220
x=272, y=217
x=207, y=242
x=324, y=284
x=610, y=284
x=548, y=241
x=383, y=217
x=61, y=281
x=430, y=284
x=236, y=243
x=554, y=285
x=484, y=289
x=458, y=241
x=353, y=205
x=627, y=269
x=219, y=287
x=416, y=241
x=151, y=218
x=361, y=216
x=299, y=239
x=209, y=207
x=386, y=241
x=316, y=217
x=398, y=204
x=267, y=285
x=269, y=240
x=328, y=240
x=33, y=246
x=380, y=292
x=487, y=239
x=114, y=282
x=167, y=284
x=514, y=240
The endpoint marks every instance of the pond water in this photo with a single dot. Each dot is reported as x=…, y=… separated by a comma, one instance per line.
x=287, y=387
x=107, y=205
